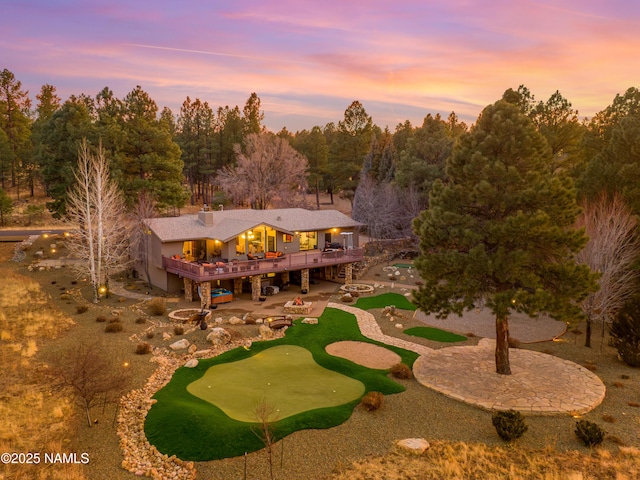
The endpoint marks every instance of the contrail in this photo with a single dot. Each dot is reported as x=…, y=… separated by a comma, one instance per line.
x=202, y=52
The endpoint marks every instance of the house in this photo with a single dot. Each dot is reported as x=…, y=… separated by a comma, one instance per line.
x=250, y=250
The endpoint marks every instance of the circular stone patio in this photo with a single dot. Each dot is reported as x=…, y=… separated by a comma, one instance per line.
x=539, y=383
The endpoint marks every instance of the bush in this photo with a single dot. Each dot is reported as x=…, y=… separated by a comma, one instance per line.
x=141, y=320
x=82, y=308
x=590, y=433
x=143, y=348
x=157, y=306
x=114, y=327
x=178, y=330
x=509, y=424
x=372, y=401
x=401, y=370
x=101, y=319
x=151, y=334
x=625, y=332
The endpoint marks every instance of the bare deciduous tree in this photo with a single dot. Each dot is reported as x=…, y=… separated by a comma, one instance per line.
x=268, y=168
x=96, y=208
x=387, y=211
x=266, y=416
x=91, y=376
x=612, y=249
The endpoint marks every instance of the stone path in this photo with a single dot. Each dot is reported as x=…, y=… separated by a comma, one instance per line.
x=539, y=384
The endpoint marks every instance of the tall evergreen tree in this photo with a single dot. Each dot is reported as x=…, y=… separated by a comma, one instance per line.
x=196, y=138
x=146, y=157
x=350, y=147
x=16, y=124
x=500, y=231
x=423, y=159
x=252, y=115
x=313, y=145
x=60, y=137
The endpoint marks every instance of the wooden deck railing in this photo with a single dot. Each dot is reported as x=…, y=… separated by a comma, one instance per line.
x=243, y=268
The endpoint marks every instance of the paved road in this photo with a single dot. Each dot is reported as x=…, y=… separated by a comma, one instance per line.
x=19, y=235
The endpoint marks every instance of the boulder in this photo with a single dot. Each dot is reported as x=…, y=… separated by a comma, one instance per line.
x=236, y=321
x=219, y=336
x=218, y=320
x=310, y=321
x=191, y=363
x=265, y=332
x=180, y=344
x=166, y=336
x=399, y=326
x=416, y=446
x=192, y=349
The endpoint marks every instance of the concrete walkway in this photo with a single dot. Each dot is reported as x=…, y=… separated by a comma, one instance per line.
x=540, y=384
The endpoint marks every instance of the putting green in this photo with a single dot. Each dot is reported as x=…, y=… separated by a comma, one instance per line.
x=403, y=265
x=285, y=377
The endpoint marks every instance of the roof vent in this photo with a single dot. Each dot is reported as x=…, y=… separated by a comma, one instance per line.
x=278, y=218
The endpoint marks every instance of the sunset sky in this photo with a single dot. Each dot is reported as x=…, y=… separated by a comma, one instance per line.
x=308, y=60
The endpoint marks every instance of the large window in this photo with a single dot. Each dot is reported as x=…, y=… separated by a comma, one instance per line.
x=308, y=240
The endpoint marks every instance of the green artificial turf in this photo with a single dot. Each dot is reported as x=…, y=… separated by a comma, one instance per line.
x=403, y=265
x=435, y=334
x=181, y=424
x=384, y=300
x=286, y=377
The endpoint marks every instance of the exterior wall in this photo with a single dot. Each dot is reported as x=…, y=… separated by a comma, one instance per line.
x=170, y=282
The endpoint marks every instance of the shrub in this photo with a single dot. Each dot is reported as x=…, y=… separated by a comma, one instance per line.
x=401, y=370
x=178, y=330
x=151, y=334
x=609, y=418
x=250, y=321
x=143, y=348
x=590, y=433
x=101, y=319
x=141, y=320
x=509, y=424
x=82, y=308
x=114, y=327
x=157, y=306
x=625, y=332
x=372, y=401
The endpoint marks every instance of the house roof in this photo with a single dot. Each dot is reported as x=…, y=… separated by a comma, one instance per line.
x=228, y=224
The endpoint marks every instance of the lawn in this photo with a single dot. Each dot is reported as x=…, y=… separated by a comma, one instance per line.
x=435, y=334
x=384, y=300
x=192, y=428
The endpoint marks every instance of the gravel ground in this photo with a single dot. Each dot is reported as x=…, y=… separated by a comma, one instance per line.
x=316, y=454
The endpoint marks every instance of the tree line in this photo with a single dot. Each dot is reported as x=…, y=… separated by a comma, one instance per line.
x=180, y=158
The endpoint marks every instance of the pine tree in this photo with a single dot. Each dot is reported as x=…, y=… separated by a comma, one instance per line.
x=499, y=232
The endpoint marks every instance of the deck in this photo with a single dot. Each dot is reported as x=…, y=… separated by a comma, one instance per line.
x=289, y=262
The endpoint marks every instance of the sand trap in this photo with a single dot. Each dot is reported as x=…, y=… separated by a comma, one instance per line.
x=363, y=353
